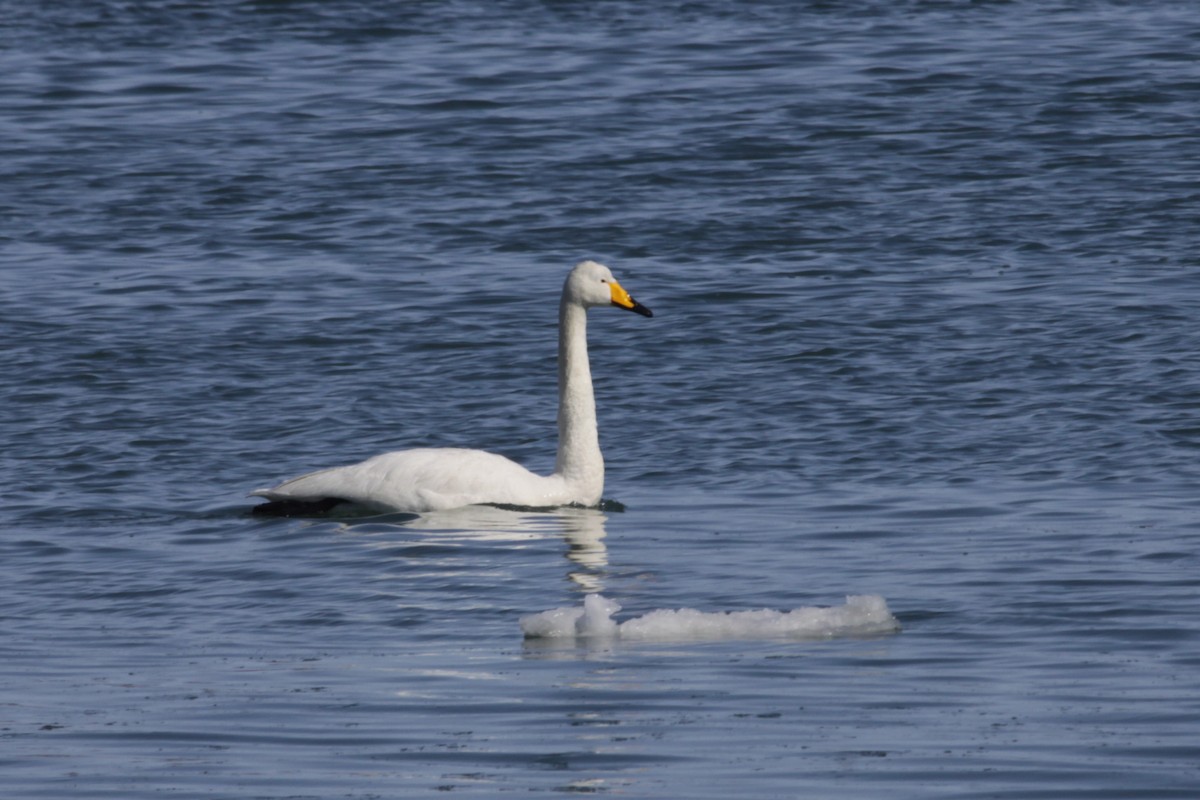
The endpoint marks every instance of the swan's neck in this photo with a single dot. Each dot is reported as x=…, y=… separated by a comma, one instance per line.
x=579, y=460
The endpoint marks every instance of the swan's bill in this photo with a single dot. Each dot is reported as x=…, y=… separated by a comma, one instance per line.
x=621, y=298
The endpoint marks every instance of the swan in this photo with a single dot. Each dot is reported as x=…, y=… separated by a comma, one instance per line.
x=437, y=479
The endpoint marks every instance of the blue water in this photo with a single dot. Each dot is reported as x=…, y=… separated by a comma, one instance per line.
x=925, y=288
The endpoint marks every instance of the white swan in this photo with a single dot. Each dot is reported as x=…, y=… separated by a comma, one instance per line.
x=434, y=479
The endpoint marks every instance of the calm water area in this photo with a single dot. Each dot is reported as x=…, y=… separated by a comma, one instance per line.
x=925, y=288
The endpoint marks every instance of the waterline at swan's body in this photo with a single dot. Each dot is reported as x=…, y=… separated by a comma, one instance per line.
x=434, y=479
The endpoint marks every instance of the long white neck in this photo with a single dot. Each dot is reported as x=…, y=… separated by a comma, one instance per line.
x=579, y=460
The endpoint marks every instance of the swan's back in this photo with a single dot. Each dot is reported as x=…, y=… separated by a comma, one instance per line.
x=427, y=479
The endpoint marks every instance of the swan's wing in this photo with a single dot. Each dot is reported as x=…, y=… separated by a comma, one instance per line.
x=382, y=482
x=425, y=480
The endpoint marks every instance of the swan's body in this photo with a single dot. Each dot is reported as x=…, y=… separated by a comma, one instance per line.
x=434, y=479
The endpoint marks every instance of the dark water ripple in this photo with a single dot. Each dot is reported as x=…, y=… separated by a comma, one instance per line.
x=925, y=289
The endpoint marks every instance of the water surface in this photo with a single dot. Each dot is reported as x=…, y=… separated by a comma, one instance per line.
x=925, y=291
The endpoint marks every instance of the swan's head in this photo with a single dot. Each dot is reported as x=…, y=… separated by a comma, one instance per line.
x=591, y=284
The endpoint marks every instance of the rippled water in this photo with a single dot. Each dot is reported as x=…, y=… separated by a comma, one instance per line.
x=925, y=291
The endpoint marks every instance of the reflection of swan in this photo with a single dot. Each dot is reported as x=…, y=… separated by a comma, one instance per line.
x=430, y=479
x=581, y=528
x=584, y=531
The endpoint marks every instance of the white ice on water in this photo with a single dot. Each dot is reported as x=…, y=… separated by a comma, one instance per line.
x=862, y=615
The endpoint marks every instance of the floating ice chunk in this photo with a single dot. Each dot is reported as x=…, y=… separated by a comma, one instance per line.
x=862, y=615
x=597, y=617
x=594, y=619
x=557, y=623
